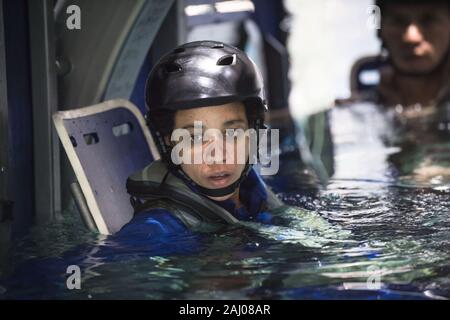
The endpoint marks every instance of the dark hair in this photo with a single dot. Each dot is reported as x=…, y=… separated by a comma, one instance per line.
x=382, y=3
x=164, y=120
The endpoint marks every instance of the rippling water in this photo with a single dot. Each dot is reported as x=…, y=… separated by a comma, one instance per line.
x=379, y=230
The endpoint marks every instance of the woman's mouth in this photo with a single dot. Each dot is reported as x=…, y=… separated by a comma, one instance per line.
x=220, y=179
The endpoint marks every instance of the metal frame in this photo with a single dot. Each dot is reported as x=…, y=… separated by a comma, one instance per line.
x=44, y=95
x=142, y=35
x=181, y=22
x=4, y=134
x=171, y=33
x=5, y=201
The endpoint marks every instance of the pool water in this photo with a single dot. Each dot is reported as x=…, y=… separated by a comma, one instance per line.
x=380, y=229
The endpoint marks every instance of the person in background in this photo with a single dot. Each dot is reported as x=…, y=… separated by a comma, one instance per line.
x=412, y=96
x=416, y=37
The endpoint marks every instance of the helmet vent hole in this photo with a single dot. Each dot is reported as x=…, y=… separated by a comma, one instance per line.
x=178, y=50
x=173, y=67
x=218, y=46
x=227, y=60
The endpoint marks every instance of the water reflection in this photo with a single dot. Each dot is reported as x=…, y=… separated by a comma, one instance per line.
x=378, y=230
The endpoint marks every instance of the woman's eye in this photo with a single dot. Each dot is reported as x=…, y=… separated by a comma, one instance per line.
x=196, y=138
x=229, y=133
x=235, y=134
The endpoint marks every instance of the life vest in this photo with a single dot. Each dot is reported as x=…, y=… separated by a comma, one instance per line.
x=155, y=187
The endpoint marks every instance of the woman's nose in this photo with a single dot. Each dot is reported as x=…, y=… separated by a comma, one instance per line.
x=218, y=149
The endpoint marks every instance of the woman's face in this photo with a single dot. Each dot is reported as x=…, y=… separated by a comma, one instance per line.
x=220, y=145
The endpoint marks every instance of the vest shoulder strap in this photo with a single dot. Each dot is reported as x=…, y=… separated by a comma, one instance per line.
x=189, y=218
x=155, y=183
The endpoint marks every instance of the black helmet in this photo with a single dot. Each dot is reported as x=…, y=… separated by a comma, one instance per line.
x=199, y=74
x=203, y=73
